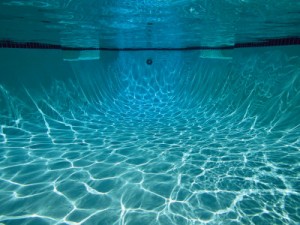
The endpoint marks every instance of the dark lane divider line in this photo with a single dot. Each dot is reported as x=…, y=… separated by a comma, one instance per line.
x=263, y=43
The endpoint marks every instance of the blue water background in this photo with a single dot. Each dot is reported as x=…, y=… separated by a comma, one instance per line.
x=197, y=137
x=186, y=140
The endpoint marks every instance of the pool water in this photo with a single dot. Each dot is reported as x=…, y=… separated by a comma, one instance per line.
x=180, y=141
x=111, y=122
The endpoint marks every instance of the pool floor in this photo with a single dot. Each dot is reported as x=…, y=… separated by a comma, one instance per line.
x=167, y=143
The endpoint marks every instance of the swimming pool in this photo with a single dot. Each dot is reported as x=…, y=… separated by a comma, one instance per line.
x=167, y=131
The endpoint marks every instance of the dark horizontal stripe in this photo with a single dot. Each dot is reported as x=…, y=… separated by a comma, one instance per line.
x=263, y=43
x=270, y=42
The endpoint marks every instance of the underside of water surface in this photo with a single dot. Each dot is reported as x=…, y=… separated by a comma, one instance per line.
x=183, y=112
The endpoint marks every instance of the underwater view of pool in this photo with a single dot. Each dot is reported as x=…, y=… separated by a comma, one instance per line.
x=154, y=133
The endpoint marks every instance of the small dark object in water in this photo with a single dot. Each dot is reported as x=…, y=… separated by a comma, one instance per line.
x=149, y=61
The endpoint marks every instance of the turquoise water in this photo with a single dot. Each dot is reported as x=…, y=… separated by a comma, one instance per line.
x=146, y=23
x=181, y=141
x=191, y=137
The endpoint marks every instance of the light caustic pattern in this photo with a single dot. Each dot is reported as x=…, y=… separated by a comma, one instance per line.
x=182, y=141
